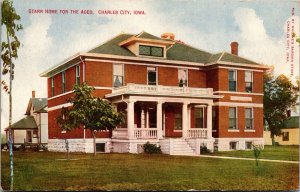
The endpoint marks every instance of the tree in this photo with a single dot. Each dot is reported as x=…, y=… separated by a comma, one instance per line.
x=280, y=95
x=9, y=52
x=91, y=112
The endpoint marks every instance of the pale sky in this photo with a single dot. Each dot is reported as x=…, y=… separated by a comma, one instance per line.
x=210, y=25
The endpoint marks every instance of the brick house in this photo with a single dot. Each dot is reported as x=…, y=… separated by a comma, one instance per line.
x=174, y=95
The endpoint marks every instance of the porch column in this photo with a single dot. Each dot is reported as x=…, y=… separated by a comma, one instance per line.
x=209, y=120
x=143, y=118
x=159, y=119
x=130, y=119
x=184, y=119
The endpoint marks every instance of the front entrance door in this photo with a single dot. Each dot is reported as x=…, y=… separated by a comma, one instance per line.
x=173, y=121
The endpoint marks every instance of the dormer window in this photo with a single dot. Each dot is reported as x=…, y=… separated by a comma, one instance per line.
x=151, y=51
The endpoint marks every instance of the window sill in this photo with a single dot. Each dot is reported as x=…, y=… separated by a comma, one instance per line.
x=249, y=130
x=214, y=130
x=233, y=130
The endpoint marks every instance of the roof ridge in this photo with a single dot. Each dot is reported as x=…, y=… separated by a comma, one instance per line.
x=221, y=56
x=109, y=40
x=242, y=57
x=192, y=47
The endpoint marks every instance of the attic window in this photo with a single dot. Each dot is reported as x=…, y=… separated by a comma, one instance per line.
x=151, y=51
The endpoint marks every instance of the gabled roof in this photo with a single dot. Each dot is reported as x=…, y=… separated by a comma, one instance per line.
x=146, y=35
x=38, y=104
x=27, y=122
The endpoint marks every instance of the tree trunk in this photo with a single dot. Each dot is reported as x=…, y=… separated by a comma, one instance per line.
x=10, y=120
x=94, y=142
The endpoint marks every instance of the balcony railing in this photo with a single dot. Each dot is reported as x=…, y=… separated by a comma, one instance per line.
x=197, y=133
x=131, y=88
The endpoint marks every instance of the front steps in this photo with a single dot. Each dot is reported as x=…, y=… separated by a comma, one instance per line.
x=176, y=146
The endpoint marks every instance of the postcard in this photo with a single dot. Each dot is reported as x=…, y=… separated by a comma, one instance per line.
x=149, y=95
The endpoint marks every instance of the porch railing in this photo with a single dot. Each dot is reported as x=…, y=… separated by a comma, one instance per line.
x=197, y=133
x=145, y=133
x=120, y=133
x=161, y=90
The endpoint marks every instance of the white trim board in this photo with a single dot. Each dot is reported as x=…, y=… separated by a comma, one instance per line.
x=240, y=93
x=233, y=104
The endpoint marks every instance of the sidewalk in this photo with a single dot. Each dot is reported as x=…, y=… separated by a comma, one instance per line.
x=249, y=159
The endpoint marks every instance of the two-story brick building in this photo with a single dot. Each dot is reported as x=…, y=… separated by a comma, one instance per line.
x=174, y=95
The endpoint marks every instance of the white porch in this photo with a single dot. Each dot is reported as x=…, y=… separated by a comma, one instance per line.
x=145, y=106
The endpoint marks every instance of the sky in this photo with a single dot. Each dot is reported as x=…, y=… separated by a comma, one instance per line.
x=260, y=28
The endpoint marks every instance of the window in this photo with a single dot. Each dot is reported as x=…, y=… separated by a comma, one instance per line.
x=178, y=121
x=199, y=118
x=249, y=118
x=248, y=145
x=118, y=75
x=77, y=74
x=182, y=77
x=35, y=134
x=214, y=118
x=232, y=80
x=63, y=82
x=151, y=75
x=248, y=81
x=285, y=136
x=232, y=118
x=233, y=145
x=52, y=86
x=100, y=147
x=151, y=51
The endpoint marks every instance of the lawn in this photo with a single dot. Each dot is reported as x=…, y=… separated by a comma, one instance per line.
x=42, y=171
x=290, y=153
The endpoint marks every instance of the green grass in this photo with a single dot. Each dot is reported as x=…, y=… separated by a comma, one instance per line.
x=290, y=153
x=41, y=171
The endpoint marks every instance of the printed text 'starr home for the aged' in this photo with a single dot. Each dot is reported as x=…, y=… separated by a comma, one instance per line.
x=173, y=95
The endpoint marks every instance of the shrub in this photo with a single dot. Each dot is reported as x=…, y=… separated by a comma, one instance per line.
x=151, y=148
x=256, y=152
x=204, y=149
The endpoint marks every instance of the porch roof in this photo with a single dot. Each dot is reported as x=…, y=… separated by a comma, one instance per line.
x=27, y=122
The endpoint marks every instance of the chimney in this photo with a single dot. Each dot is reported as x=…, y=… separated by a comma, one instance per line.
x=168, y=36
x=234, y=48
x=33, y=94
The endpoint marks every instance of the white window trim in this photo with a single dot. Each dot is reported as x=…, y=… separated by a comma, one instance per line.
x=251, y=80
x=236, y=81
x=156, y=70
x=123, y=72
x=236, y=120
x=252, y=116
x=151, y=45
x=77, y=71
x=63, y=78
x=187, y=75
x=52, y=86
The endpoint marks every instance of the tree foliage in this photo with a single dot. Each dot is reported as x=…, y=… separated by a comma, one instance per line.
x=91, y=112
x=9, y=48
x=280, y=95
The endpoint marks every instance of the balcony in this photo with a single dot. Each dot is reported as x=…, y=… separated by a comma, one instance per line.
x=161, y=90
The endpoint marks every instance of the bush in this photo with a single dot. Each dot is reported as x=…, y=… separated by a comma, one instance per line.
x=151, y=148
x=204, y=149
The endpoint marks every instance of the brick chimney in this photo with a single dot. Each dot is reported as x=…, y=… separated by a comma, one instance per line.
x=168, y=36
x=33, y=94
x=234, y=48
